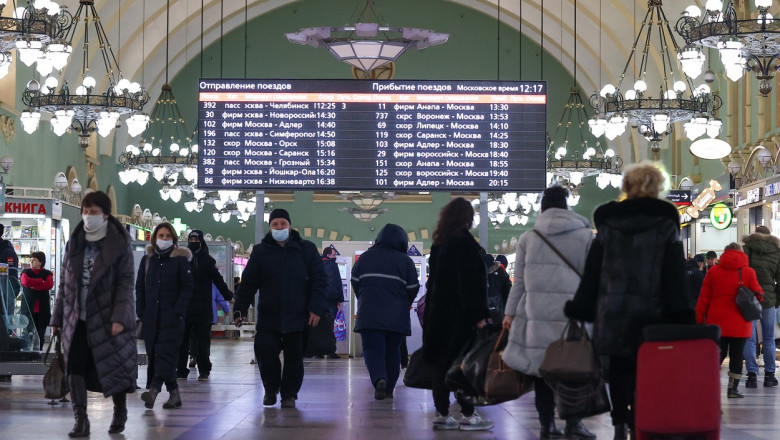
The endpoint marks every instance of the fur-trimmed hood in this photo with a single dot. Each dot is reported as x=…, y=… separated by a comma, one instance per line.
x=650, y=209
x=763, y=243
x=176, y=252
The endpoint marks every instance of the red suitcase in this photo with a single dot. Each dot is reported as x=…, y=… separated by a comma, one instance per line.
x=678, y=382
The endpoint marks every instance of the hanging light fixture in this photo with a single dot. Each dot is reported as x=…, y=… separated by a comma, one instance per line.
x=36, y=32
x=366, y=200
x=365, y=215
x=653, y=115
x=747, y=44
x=366, y=44
x=88, y=109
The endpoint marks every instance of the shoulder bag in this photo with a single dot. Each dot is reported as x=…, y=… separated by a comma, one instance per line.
x=558, y=253
x=55, y=385
x=747, y=301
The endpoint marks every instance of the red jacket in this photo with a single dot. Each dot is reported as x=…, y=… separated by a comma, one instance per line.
x=717, y=299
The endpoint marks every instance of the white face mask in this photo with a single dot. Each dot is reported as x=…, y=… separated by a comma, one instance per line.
x=92, y=222
x=164, y=244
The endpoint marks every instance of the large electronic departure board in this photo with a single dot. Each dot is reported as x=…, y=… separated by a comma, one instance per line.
x=371, y=135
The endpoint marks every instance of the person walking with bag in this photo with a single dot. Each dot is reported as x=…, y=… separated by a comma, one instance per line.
x=455, y=306
x=717, y=305
x=385, y=283
x=95, y=313
x=36, y=284
x=763, y=250
x=335, y=295
x=548, y=267
x=620, y=298
x=163, y=291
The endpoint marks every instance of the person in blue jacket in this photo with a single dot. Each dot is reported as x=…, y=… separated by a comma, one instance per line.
x=385, y=283
x=288, y=272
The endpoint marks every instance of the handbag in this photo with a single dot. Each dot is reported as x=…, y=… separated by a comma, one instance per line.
x=571, y=358
x=340, y=326
x=55, y=385
x=501, y=382
x=747, y=301
x=419, y=373
x=582, y=401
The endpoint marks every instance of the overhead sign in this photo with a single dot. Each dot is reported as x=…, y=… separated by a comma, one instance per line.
x=721, y=216
x=679, y=197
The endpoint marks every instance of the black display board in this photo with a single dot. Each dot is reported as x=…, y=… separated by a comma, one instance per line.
x=371, y=135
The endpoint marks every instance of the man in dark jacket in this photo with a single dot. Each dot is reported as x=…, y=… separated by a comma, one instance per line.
x=694, y=275
x=763, y=250
x=8, y=256
x=200, y=311
x=288, y=272
x=498, y=287
x=335, y=295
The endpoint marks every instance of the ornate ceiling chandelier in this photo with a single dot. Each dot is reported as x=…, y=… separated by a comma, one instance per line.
x=676, y=100
x=227, y=204
x=512, y=208
x=749, y=44
x=88, y=109
x=36, y=32
x=367, y=45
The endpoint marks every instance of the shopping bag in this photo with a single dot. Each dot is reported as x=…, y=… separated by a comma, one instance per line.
x=320, y=340
x=501, y=382
x=747, y=301
x=340, y=326
x=419, y=373
x=55, y=385
x=571, y=359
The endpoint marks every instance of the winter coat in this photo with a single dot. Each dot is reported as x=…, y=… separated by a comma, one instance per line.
x=717, y=299
x=385, y=283
x=218, y=300
x=291, y=281
x=695, y=278
x=109, y=300
x=8, y=256
x=204, y=274
x=335, y=294
x=456, y=298
x=634, y=275
x=36, y=287
x=543, y=283
x=498, y=288
x=163, y=291
x=763, y=253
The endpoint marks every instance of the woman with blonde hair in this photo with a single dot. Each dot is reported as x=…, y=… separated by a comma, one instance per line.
x=621, y=299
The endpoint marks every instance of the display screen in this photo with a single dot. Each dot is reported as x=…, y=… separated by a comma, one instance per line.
x=371, y=135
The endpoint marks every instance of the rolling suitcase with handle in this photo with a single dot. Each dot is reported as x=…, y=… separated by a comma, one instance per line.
x=678, y=382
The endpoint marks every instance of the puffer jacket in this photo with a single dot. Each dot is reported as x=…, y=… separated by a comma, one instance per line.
x=763, y=253
x=109, y=300
x=717, y=299
x=291, y=280
x=456, y=298
x=621, y=298
x=543, y=283
x=385, y=283
x=163, y=292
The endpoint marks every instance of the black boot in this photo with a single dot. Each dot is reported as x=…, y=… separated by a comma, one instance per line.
x=549, y=430
x=770, y=380
x=174, y=400
x=621, y=433
x=120, y=413
x=751, y=381
x=576, y=430
x=732, y=392
x=150, y=396
x=78, y=395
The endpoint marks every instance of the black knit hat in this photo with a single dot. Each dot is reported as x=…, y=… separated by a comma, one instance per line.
x=502, y=259
x=555, y=197
x=277, y=213
x=196, y=233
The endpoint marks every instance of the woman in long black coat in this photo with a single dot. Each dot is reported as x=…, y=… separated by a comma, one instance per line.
x=94, y=312
x=163, y=291
x=455, y=305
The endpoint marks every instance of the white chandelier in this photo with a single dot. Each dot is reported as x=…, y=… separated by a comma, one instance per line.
x=749, y=44
x=88, y=109
x=677, y=99
x=367, y=45
x=36, y=32
x=513, y=208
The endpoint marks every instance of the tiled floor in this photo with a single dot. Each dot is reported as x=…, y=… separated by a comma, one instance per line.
x=336, y=402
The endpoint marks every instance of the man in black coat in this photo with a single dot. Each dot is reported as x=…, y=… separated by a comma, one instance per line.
x=200, y=311
x=335, y=295
x=8, y=256
x=289, y=274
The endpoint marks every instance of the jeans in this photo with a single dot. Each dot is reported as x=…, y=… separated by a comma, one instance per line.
x=768, y=319
x=382, y=354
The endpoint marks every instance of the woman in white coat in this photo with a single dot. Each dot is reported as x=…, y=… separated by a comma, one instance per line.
x=543, y=283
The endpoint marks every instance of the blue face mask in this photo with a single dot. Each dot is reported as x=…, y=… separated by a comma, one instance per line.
x=280, y=234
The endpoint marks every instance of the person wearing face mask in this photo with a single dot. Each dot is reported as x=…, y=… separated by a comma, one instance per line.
x=290, y=276
x=197, y=329
x=95, y=315
x=163, y=290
